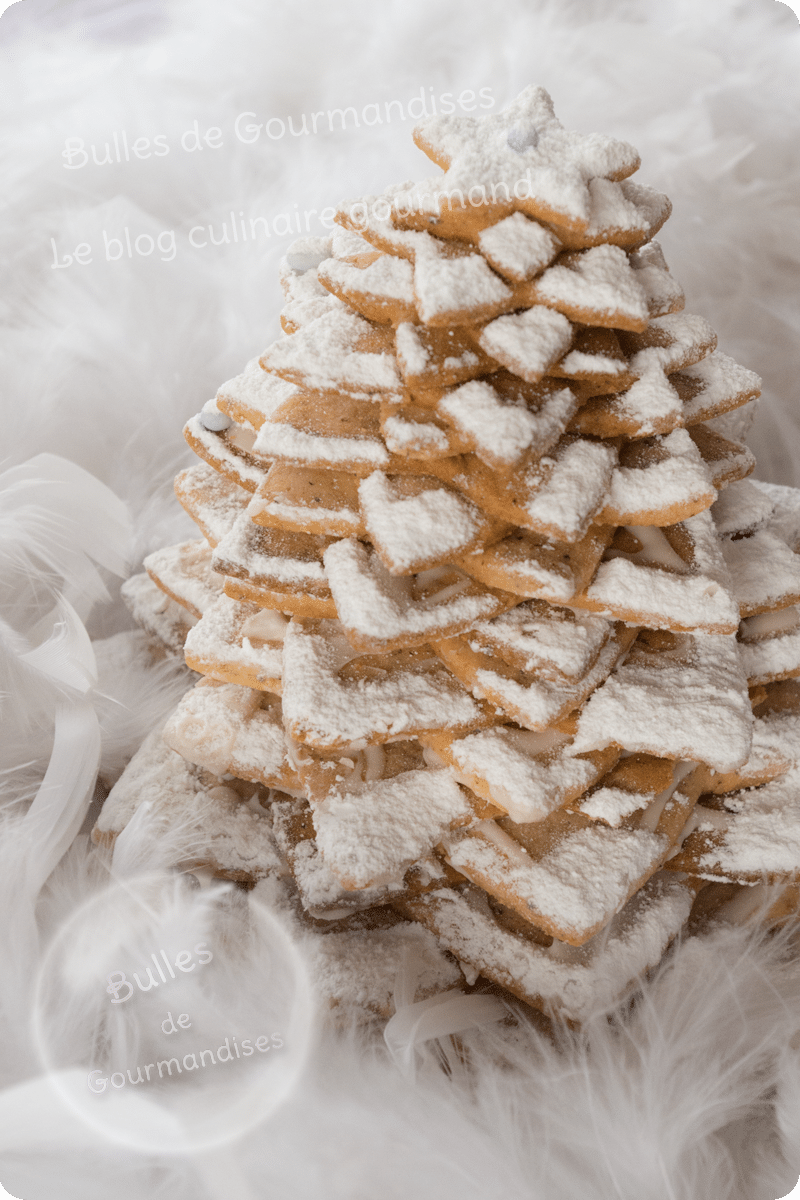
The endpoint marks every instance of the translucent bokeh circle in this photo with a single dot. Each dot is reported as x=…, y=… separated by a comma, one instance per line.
x=202, y=986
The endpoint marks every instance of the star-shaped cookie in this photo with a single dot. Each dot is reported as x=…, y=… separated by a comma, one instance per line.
x=521, y=159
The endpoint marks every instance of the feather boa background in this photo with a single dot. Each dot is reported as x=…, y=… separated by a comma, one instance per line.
x=695, y=1091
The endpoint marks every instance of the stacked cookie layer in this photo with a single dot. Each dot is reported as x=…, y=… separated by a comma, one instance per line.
x=483, y=596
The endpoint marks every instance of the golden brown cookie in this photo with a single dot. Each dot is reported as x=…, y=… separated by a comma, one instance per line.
x=211, y=499
x=568, y=874
x=230, y=730
x=531, y=565
x=308, y=500
x=238, y=642
x=229, y=452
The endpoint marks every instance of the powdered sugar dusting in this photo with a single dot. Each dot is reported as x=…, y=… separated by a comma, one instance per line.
x=378, y=605
x=537, y=702
x=373, y=837
x=324, y=354
x=502, y=432
x=184, y=572
x=320, y=708
x=450, y=287
x=600, y=281
x=276, y=440
x=518, y=247
x=529, y=787
x=681, y=478
x=555, y=164
x=564, y=505
x=539, y=637
x=387, y=278
x=585, y=982
x=528, y=342
x=636, y=706
x=223, y=728
x=433, y=524
x=765, y=572
x=578, y=885
x=256, y=391
x=762, y=833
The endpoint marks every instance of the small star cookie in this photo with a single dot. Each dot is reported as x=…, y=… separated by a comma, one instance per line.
x=522, y=159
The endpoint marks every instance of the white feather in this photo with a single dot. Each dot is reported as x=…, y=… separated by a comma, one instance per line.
x=66, y=656
x=56, y=516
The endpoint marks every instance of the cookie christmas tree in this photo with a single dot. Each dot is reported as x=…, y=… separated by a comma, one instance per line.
x=494, y=631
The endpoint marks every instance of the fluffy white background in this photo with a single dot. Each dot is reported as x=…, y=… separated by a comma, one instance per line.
x=103, y=362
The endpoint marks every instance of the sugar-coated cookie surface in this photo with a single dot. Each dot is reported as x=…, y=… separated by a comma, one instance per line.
x=499, y=644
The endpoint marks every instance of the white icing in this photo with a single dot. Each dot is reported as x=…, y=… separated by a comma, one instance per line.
x=266, y=625
x=220, y=453
x=773, y=658
x=623, y=207
x=762, y=832
x=351, y=247
x=687, y=337
x=663, y=293
x=655, y=547
x=218, y=641
x=652, y=815
x=412, y=355
x=769, y=624
x=401, y=436
x=151, y=608
x=613, y=804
